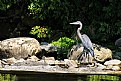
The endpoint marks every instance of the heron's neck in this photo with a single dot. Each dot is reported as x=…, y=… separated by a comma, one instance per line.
x=78, y=32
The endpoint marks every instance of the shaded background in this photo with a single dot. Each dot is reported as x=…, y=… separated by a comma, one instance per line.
x=101, y=19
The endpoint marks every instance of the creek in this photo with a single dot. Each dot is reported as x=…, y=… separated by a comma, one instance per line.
x=57, y=77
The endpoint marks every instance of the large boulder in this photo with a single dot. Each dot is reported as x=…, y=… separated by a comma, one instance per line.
x=75, y=52
x=48, y=50
x=101, y=53
x=118, y=42
x=21, y=47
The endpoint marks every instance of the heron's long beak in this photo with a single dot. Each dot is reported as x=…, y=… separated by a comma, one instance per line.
x=74, y=23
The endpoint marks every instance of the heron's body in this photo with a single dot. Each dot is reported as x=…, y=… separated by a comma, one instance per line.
x=86, y=42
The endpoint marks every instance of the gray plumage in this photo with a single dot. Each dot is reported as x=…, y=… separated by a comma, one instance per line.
x=86, y=42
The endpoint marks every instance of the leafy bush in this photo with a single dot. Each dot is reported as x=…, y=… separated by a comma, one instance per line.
x=53, y=11
x=101, y=18
x=63, y=44
x=40, y=32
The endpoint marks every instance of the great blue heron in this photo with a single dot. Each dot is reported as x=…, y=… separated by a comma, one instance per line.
x=86, y=42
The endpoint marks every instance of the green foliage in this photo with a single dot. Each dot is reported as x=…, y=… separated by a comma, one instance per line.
x=56, y=11
x=41, y=8
x=106, y=20
x=7, y=77
x=101, y=18
x=2, y=6
x=103, y=78
x=40, y=32
x=63, y=44
x=5, y=4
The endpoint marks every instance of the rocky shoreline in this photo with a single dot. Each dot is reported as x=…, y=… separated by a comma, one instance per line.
x=56, y=69
x=25, y=54
x=54, y=66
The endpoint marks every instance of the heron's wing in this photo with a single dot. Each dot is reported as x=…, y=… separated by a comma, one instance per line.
x=86, y=40
x=87, y=43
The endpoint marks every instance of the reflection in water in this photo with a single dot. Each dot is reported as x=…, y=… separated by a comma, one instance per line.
x=58, y=77
x=7, y=77
x=46, y=77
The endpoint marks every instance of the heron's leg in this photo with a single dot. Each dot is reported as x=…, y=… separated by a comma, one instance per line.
x=93, y=62
x=80, y=57
x=85, y=56
x=88, y=57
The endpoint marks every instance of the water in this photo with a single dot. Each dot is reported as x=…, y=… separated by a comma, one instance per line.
x=57, y=77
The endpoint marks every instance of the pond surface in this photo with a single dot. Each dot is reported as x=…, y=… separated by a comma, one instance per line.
x=58, y=77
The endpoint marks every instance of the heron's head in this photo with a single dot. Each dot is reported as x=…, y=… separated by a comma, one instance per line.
x=77, y=23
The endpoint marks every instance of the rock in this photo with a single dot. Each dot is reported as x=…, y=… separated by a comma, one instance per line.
x=9, y=61
x=20, y=60
x=100, y=66
x=113, y=62
x=73, y=69
x=116, y=68
x=48, y=47
x=21, y=47
x=118, y=42
x=60, y=63
x=48, y=50
x=49, y=60
x=75, y=51
x=30, y=63
x=71, y=63
x=101, y=53
x=33, y=58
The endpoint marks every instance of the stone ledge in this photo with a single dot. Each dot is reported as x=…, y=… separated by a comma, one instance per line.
x=28, y=70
